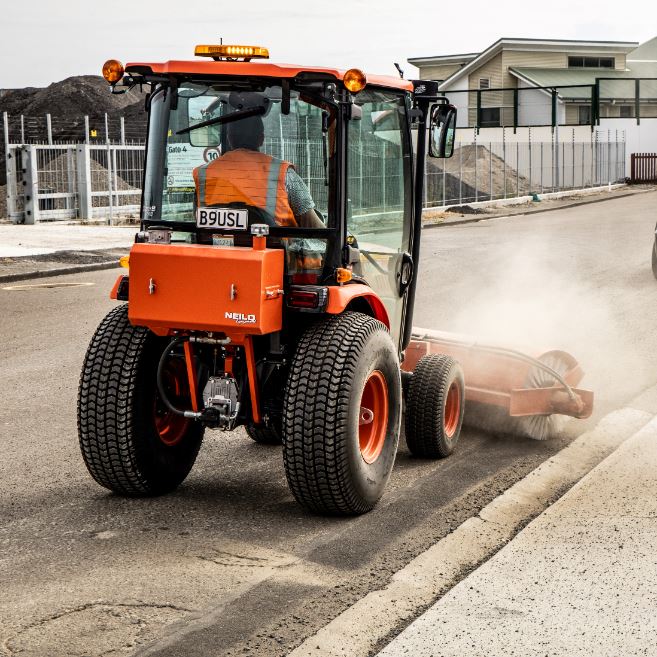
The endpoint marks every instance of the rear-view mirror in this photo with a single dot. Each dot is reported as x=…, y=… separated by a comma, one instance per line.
x=442, y=130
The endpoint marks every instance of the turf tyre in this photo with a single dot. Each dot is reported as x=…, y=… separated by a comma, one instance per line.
x=117, y=398
x=325, y=468
x=432, y=421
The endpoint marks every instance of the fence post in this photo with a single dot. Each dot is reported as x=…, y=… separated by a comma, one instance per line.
x=529, y=144
x=444, y=181
x=504, y=160
x=109, y=171
x=583, y=156
x=122, y=131
x=86, y=129
x=593, y=169
x=31, y=184
x=22, y=129
x=460, y=175
x=555, y=157
x=476, y=183
x=517, y=167
x=49, y=128
x=10, y=165
x=490, y=171
x=84, y=181
x=70, y=176
x=572, y=143
x=609, y=158
x=541, y=166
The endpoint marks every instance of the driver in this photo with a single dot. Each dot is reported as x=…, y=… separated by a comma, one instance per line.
x=245, y=175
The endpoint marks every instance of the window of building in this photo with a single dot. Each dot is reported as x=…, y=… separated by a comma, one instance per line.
x=484, y=83
x=584, y=115
x=626, y=111
x=489, y=117
x=591, y=62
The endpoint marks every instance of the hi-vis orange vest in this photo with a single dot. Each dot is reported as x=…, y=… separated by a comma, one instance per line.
x=245, y=176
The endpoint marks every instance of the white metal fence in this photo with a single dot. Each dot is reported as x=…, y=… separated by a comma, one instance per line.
x=73, y=181
x=487, y=169
x=102, y=181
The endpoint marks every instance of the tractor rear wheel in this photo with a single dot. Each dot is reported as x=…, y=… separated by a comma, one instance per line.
x=434, y=407
x=130, y=441
x=342, y=415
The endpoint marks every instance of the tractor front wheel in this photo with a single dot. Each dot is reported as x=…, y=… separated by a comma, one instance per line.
x=434, y=407
x=342, y=415
x=263, y=434
x=130, y=441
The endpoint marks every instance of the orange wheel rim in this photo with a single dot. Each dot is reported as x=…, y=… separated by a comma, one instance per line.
x=170, y=426
x=373, y=417
x=452, y=412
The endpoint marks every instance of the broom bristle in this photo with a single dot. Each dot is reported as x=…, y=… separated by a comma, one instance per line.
x=494, y=419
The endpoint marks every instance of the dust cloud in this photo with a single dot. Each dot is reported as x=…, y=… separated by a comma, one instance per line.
x=534, y=299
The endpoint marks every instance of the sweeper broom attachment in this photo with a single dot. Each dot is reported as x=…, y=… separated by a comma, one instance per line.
x=507, y=391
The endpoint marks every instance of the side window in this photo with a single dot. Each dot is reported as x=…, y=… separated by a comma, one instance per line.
x=379, y=179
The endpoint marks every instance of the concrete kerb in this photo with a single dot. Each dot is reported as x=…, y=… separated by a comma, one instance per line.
x=432, y=573
x=59, y=271
x=477, y=218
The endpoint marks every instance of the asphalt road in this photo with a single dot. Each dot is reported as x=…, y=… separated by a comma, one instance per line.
x=229, y=564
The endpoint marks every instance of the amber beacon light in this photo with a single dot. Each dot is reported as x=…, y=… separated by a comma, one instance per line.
x=232, y=52
x=113, y=70
x=355, y=80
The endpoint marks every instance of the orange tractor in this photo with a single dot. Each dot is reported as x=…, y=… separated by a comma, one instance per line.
x=272, y=283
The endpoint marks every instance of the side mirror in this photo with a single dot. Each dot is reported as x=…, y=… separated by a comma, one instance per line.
x=442, y=129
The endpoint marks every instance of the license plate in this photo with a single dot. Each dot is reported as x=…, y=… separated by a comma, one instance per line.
x=222, y=218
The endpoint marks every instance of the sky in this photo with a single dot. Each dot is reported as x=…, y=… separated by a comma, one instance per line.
x=46, y=41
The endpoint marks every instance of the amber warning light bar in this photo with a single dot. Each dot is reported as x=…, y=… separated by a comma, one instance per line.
x=232, y=53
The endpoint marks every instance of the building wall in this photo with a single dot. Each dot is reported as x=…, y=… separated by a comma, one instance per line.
x=441, y=72
x=534, y=106
x=533, y=110
x=492, y=70
x=458, y=96
x=531, y=59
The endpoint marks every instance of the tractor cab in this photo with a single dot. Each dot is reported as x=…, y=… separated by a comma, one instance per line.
x=323, y=158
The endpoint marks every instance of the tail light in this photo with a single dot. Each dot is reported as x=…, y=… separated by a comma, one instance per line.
x=305, y=279
x=307, y=298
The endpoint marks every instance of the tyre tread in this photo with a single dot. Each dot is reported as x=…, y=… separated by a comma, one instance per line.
x=425, y=405
x=316, y=411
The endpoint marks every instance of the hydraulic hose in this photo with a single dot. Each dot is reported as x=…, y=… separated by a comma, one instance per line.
x=512, y=353
x=160, y=384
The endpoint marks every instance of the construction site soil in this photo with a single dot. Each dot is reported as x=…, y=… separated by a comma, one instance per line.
x=74, y=96
x=68, y=102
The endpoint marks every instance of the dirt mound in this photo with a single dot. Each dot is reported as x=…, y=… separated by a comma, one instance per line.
x=78, y=95
x=473, y=173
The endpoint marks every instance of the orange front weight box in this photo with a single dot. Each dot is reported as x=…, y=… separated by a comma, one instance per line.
x=236, y=290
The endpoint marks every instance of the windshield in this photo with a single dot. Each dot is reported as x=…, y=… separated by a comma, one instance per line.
x=218, y=148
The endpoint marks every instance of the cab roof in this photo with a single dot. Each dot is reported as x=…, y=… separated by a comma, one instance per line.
x=257, y=68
